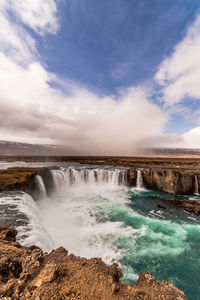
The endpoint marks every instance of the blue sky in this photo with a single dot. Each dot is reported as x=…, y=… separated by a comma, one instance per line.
x=111, y=44
x=108, y=45
x=85, y=64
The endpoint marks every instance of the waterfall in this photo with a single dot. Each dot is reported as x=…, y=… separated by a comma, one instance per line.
x=19, y=210
x=139, y=181
x=84, y=175
x=196, y=185
x=59, y=178
x=41, y=187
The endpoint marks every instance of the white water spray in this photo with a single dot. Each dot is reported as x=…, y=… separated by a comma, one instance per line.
x=41, y=187
x=139, y=181
x=76, y=218
x=73, y=215
x=96, y=176
x=26, y=218
x=196, y=187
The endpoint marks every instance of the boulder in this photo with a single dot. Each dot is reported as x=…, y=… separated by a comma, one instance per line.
x=31, y=274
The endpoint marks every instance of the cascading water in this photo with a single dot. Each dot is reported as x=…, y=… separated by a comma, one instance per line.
x=90, y=218
x=196, y=186
x=41, y=187
x=59, y=178
x=95, y=176
x=19, y=210
x=139, y=181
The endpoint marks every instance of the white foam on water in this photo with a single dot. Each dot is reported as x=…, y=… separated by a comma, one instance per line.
x=85, y=219
x=33, y=232
x=192, y=218
x=88, y=215
x=72, y=221
x=156, y=213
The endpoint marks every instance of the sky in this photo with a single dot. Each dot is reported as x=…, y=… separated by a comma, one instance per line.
x=107, y=77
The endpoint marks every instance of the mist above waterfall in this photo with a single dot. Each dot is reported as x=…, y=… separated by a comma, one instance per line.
x=78, y=193
x=92, y=212
x=82, y=123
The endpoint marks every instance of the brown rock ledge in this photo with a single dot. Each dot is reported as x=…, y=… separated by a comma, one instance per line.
x=24, y=179
x=31, y=274
x=16, y=179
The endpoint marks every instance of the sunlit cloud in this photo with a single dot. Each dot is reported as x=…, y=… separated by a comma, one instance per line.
x=180, y=72
x=40, y=107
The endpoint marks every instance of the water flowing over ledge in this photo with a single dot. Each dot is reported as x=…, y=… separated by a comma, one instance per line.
x=85, y=175
x=95, y=212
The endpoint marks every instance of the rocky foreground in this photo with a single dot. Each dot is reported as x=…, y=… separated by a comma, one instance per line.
x=28, y=273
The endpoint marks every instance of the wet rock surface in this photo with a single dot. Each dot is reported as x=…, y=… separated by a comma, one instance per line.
x=172, y=181
x=192, y=206
x=24, y=179
x=32, y=274
x=16, y=179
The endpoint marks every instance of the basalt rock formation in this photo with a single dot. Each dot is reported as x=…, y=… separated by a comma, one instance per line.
x=16, y=179
x=191, y=206
x=47, y=179
x=132, y=176
x=28, y=273
x=24, y=179
x=171, y=181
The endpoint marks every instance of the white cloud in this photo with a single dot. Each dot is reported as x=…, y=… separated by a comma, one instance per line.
x=191, y=138
x=31, y=110
x=179, y=73
x=83, y=121
x=15, y=41
x=40, y=15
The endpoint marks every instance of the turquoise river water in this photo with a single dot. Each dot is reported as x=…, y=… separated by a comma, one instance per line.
x=117, y=223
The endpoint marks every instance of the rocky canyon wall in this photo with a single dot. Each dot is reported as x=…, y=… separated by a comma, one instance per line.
x=172, y=181
x=167, y=180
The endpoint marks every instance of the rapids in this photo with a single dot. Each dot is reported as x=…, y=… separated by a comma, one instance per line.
x=94, y=214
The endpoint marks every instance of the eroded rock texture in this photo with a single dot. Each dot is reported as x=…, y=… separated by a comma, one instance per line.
x=172, y=181
x=31, y=274
x=25, y=179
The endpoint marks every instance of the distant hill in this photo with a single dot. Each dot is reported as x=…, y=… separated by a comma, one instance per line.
x=15, y=148
x=174, y=152
x=9, y=148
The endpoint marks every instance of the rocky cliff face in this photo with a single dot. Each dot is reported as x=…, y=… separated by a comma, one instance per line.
x=47, y=178
x=132, y=176
x=24, y=179
x=16, y=179
x=172, y=181
x=31, y=274
x=169, y=180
